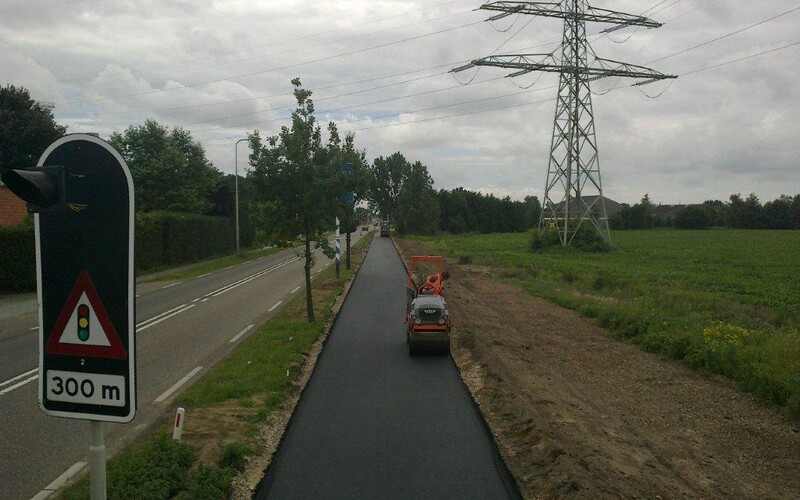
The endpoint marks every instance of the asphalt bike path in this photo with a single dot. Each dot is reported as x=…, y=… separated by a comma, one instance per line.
x=376, y=423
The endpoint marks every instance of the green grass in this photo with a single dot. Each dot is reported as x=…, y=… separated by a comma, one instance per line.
x=215, y=265
x=260, y=365
x=727, y=301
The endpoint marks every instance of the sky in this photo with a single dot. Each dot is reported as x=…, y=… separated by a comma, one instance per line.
x=380, y=68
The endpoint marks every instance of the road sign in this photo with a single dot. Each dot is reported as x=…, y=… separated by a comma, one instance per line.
x=84, y=256
x=83, y=328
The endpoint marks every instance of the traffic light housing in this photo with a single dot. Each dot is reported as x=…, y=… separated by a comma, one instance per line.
x=83, y=322
x=41, y=187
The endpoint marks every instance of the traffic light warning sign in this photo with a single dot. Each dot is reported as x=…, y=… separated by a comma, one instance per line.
x=83, y=328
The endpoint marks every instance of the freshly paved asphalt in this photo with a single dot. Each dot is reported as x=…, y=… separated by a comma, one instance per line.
x=375, y=423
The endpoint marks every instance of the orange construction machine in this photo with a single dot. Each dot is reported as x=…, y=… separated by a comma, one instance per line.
x=427, y=318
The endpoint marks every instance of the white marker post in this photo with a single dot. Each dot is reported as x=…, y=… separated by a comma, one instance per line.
x=338, y=249
x=178, y=429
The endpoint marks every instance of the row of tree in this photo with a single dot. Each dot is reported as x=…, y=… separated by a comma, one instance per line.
x=737, y=213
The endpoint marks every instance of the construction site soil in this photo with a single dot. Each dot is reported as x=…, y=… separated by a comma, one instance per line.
x=578, y=413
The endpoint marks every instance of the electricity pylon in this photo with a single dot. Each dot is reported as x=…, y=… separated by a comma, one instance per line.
x=573, y=172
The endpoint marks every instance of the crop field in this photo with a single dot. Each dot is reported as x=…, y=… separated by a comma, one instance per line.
x=725, y=301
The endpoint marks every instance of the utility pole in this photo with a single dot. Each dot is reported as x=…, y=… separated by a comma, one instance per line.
x=573, y=191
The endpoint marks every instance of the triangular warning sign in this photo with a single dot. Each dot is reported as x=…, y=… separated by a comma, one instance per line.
x=83, y=328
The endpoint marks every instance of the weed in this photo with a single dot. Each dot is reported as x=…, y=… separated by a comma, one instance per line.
x=233, y=456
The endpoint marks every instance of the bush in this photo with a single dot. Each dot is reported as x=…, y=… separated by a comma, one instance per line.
x=692, y=217
x=168, y=238
x=233, y=456
x=586, y=238
x=207, y=483
x=541, y=240
x=17, y=259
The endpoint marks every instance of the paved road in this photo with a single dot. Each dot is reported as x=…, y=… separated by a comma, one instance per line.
x=183, y=328
x=376, y=423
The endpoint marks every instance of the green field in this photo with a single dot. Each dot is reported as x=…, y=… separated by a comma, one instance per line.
x=727, y=301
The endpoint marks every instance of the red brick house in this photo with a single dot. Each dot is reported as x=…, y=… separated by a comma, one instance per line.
x=12, y=209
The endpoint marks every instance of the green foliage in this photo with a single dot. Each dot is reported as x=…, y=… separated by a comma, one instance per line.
x=26, y=128
x=417, y=205
x=387, y=182
x=207, y=483
x=17, y=259
x=170, y=169
x=541, y=240
x=586, y=239
x=744, y=214
x=464, y=211
x=692, y=217
x=167, y=238
x=154, y=470
x=234, y=455
x=700, y=296
x=632, y=217
x=298, y=183
x=356, y=182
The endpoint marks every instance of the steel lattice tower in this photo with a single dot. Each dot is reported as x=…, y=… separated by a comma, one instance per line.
x=573, y=191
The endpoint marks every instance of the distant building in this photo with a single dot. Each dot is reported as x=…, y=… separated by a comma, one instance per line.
x=612, y=207
x=12, y=209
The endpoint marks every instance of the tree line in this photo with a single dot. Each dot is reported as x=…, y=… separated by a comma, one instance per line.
x=736, y=213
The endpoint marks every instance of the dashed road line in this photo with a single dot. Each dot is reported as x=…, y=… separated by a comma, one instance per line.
x=296, y=289
x=177, y=385
x=59, y=481
x=144, y=325
x=171, y=285
x=275, y=306
x=17, y=382
x=239, y=335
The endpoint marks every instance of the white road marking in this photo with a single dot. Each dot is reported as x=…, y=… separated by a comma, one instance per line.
x=231, y=286
x=178, y=385
x=195, y=300
x=204, y=275
x=32, y=329
x=163, y=316
x=59, y=481
x=239, y=335
x=296, y=289
x=168, y=286
x=17, y=382
x=275, y=306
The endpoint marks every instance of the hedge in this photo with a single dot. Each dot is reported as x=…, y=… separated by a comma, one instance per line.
x=166, y=238
x=163, y=239
x=17, y=259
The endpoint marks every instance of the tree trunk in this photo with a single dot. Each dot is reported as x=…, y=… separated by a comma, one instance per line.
x=309, y=299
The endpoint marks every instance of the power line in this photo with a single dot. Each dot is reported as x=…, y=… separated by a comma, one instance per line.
x=287, y=66
x=715, y=66
x=281, y=42
x=522, y=105
x=741, y=30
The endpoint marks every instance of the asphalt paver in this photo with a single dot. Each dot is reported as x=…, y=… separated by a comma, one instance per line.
x=374, y=422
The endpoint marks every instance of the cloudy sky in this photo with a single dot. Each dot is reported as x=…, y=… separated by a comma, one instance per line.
x=222, y=68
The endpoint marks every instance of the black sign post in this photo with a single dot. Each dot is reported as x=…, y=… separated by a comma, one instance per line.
x=81, y=193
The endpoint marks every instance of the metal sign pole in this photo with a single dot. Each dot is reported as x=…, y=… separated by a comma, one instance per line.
x=97, y=463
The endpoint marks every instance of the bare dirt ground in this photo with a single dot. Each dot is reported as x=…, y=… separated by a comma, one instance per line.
x=577, y=413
